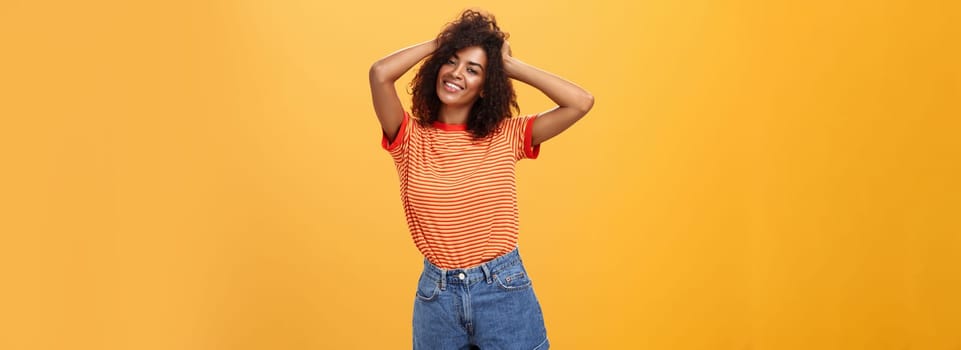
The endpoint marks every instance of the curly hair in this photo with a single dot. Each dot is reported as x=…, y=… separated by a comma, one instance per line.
x=471, y=29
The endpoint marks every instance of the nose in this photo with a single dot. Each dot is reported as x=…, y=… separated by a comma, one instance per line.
x=457, y=73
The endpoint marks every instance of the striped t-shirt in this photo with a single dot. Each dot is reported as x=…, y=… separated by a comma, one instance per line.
x=459, y=194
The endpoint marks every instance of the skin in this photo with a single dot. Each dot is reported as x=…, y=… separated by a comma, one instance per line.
x=466, y=70
x=573, y=102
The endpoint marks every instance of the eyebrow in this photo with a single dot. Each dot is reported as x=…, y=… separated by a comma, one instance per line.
x=470, y=62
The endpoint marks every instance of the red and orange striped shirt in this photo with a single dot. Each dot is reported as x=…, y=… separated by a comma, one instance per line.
x=459, y=194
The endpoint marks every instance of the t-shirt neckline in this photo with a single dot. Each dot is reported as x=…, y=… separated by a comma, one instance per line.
x=449, y=127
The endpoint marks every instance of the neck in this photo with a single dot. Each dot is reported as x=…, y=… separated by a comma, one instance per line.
x=453, y=114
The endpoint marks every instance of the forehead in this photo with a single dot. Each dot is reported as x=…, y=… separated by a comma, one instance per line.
x=473, y=54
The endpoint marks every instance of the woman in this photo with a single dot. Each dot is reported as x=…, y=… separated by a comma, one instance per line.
x=455, y=156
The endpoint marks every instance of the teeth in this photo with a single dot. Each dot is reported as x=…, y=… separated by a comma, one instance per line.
x=453, y=86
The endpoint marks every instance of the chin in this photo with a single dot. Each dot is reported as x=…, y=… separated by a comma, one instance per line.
x=449, y=101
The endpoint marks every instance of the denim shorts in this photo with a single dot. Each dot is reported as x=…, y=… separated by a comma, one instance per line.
x=490, y=306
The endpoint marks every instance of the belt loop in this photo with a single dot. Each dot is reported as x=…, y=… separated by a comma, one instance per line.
x=443, y=279
x=487, y=273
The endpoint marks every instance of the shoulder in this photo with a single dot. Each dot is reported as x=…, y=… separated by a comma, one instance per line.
x=517, y=123
x=514, y=121
x=415, y=123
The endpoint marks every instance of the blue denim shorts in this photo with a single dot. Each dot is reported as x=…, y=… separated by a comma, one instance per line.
x=490, y=306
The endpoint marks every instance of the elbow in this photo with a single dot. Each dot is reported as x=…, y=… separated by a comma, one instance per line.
x=377, y=73
x=585, y=103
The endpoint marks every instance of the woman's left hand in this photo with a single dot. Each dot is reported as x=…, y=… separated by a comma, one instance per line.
x=506, y=55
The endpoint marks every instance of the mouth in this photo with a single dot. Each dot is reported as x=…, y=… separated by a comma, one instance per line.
x=451, y=87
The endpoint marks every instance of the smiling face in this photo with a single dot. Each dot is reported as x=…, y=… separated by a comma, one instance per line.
x=461, y=79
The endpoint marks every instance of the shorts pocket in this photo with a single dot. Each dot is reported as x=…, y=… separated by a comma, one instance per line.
x=427, y=288
x=513, y=278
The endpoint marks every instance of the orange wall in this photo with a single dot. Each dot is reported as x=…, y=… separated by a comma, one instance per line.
x=754, y=175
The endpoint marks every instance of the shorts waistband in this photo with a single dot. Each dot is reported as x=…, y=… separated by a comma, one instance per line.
x=471, y=275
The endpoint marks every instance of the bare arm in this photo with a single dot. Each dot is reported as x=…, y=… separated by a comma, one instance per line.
x=573, y=102
x=384, y=73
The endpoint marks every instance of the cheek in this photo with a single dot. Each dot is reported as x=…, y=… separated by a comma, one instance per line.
x=441, y=72
x=478, y=84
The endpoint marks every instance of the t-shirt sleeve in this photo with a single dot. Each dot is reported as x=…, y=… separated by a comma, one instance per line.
x=398, y=145
x=522, y=144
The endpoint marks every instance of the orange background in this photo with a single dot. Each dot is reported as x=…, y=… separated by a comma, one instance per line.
x=754, y=175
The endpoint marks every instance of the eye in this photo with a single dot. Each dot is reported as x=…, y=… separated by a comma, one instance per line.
x=450, y=61
x=471, y=71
